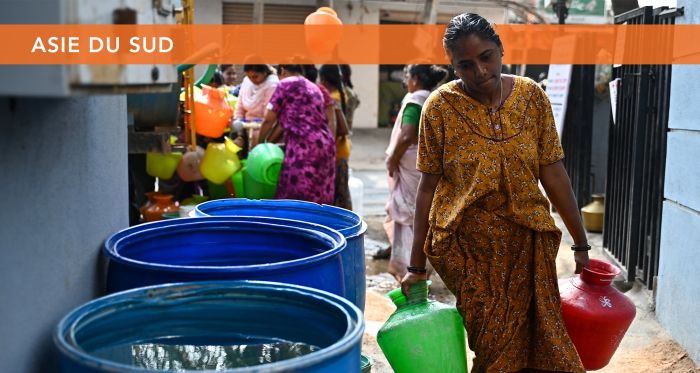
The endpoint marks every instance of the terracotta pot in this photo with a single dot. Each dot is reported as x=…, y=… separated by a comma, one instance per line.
x=163, y=204
x=593, y=213
x=150, y=201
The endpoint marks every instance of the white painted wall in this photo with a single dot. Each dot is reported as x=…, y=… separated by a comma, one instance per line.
x=364, y=77
x=366, y=81
x=678, y=290
x=207, y=12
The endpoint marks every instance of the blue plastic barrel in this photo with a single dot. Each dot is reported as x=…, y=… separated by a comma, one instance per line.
x=346, y=222
x=224, y=248
x=106, y=335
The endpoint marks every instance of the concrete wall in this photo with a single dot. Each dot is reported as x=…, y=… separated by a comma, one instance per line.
x=63, y=191
x=208, y=12
x=364, y=77
x=678, y=288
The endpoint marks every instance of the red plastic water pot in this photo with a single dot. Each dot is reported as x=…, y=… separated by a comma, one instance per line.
x=596, y=314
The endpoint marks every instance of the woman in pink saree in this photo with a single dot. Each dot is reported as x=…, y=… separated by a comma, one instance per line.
x=401, y=164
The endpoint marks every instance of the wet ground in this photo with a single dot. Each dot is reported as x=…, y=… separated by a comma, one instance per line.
x=646, y=348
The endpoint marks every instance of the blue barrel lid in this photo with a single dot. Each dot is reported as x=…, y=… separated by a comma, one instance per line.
x=332, y=238
x=96, y=314
x=345, y=221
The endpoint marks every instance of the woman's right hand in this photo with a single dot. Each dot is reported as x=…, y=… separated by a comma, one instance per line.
x=237, y=125
x=582, y=261
x=411, y=278
x=391, y=165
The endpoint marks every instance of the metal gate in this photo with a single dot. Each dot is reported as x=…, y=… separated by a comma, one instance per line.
x=637, y=156
x=578, y=132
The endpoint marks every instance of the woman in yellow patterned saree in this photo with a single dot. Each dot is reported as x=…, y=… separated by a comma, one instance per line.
x=486, y=141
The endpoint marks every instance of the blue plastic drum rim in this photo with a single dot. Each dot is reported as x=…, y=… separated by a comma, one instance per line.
x=345, y=221
x=65, y=333
x=164, y=227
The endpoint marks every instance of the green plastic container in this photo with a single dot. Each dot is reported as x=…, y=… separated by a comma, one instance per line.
x=255, y=189
x=265, y=162
x=219, y=191
x=423, y=335
x=171, y=215
x=237, y=179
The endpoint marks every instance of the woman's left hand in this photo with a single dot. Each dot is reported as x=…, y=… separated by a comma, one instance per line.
x=581, y=259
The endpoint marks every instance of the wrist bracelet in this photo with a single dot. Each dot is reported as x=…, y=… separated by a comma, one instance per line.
x=418, y=270
x=584, y=247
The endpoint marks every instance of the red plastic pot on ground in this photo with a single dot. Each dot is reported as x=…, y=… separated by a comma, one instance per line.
x=596, y=314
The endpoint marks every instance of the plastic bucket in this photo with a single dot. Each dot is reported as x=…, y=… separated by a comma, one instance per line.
x=344, y=221
x=265, y=162
x=224, y=248
x=208, y=318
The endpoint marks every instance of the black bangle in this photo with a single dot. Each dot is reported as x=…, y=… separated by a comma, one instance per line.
x=584, y=247
x=418, y=270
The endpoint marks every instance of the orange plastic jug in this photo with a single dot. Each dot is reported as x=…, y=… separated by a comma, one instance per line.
x=220, y=161
x=322, y=31
x=323, y=16
x=212, y=113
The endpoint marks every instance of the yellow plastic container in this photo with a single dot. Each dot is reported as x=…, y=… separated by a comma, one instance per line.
x=162, y=165
x=220, y=161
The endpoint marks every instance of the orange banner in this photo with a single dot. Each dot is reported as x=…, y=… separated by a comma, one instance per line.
x=356, y=44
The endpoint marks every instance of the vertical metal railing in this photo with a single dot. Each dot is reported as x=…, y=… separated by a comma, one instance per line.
x=655, y=154
x=637, y=155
